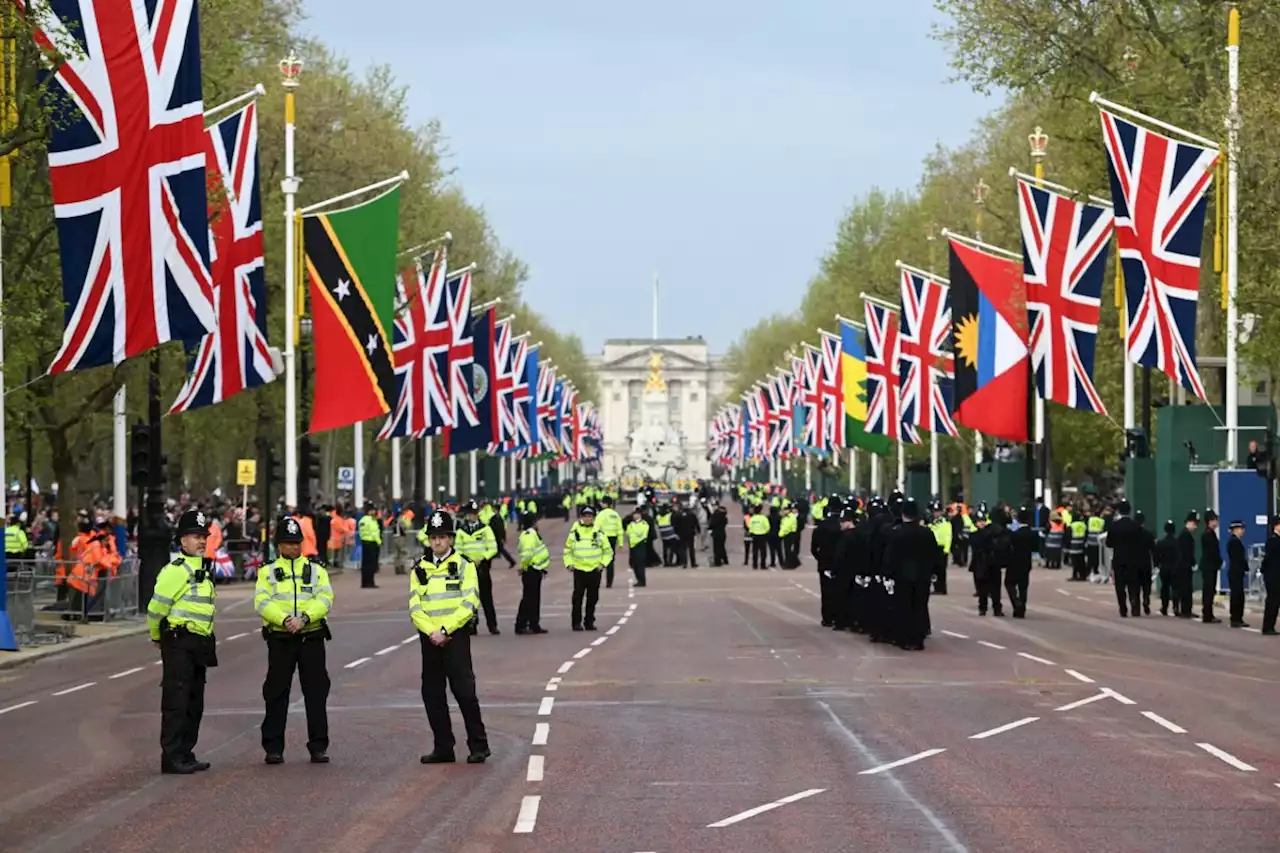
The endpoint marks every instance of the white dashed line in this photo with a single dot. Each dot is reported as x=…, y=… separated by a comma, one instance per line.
x=1227, y=757
x=528, y=817
x=128, y=672
x=1083, y=598
x=565, y=667
x=957, y=636
x=612, y=631
x=741, y=816
x=16, y=707
x=536, y=764
x=1036, y=659
x=1123, y=700
x=1161, y=721
x=355, y=663
x=599, y=642
x=623, y=620
x=237, y=636
x=407, y=640
x=1062, y=592
x=582, y=654
x=1002, y=729
x=1079, y=676
x=1081, y=703
x=553, y=684
x=991, y=645
x=388, y=650
x=928, y=753
x=158, y=663
x=548, y=702
x=74, y=689
x=1253, y=630
x=540, y=734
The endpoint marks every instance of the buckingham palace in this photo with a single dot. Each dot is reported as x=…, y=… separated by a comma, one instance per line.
x=695, y=384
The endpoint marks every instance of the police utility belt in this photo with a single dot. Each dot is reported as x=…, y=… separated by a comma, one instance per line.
x=322, y=633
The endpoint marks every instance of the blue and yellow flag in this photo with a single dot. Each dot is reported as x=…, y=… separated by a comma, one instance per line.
x=853, y=355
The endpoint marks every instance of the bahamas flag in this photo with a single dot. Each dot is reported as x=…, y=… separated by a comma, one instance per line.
x=853, y=355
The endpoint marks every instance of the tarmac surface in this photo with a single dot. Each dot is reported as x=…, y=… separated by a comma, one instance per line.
x=710, y=712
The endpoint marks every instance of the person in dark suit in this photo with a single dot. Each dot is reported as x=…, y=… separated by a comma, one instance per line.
x=1210, y=565
x=1271, y=577
x=1026, y=539
x=1166, y=560
x=1183, y=595
x=1130, y=554
x=847, y=565
x=1237, y=571
x=1145, y=573
x=910, y=561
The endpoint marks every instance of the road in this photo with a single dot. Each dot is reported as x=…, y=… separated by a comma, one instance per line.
x=710, y=712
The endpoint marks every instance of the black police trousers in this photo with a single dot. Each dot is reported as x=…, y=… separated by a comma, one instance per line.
x=1235, y=583
x=988, y=589
x=181, y=695
x=1017, y=583
x=639, y=557
x=719, y=555
x=305, y=653
x=451, y=664
x=485, y=581
x=585, y=585
x=529, y=613
x=911, y=603
x=608, y=570
x=1209, y=590
x=368, y=562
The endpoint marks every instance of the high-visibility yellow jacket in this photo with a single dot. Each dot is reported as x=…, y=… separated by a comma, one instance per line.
x=444, y=593
x=369, y=529
x=533, y=551
x=637, y=533
x=759, y=525
x=942, y=533
x=185, y=596
x=609, y=522
x=475, y=541
x=15, y=540
x=586, y=549
x=787, y=525
x=293, y=588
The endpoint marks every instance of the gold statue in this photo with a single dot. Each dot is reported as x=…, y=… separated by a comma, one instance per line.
x=655, y=382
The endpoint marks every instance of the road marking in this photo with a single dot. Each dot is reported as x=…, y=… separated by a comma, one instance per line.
x=749, y=813
x=1254, y=630
x=612, y=631
x=928, y=753
x=623, y=620
x=1123, y=700
x=1081, y=703
x=237, y=636
x=1082, y=598
x=407, y=640
x=528, y=817
x=599, y=642
x=1036, y=659
x=1080, y=676
x=991, y=645
x=1062, y=592
x=548, y=702
x=565, y=667
x=1001, y=729
x=388, y=650
x=16, y=707
x=128, y=672
x=1159, y=720
x=540, y=734
x=957, y=636
x=74, y=689
x=552, y=686
x=536, y=765
x=355, y=663
x=158, y=663
x=1226, y=757
x=582, y=654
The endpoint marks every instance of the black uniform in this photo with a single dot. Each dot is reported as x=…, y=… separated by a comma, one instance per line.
x=687, y=529
x=1167, y=555
x=1144, y=573
x=1183, y=593
x=823, y=546
x=1210, y=569
x=718, y=525
x=1129, y=555
x=911, y=556
x=849, y=566
x=1237, y=571
x=991, y=551
x=1271, y=577
x=1017, y=580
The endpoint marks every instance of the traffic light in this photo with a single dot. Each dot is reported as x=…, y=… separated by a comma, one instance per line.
x=139, y=454
x=310, y=460
x=273, y=472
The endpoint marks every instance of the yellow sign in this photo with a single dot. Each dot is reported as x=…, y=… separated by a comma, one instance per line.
x=246, y=472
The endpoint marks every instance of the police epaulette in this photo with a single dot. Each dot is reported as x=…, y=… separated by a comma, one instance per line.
x=177, y=561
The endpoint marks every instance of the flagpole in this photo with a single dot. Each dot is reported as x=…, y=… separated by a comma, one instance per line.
x=119, y=461
x=853, y=470
x=875, y=473
x=313, y=209
x=395, y=469
x=429, y=475
x=357, y=449
x=1095, y=98
x=1233, y=238
x=979, y=192
x=475, y=474
x=453, y=476
x=1039, y=148
x=256, y=92
x=902, y=465
x=290, y=70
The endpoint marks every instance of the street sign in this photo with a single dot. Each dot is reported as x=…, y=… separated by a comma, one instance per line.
x=346, y=479
x=246, y=472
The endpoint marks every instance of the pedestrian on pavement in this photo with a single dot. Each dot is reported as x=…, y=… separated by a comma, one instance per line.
x=444, y=597
x=1237, y=571
x=586, y=553
x=370, y=531
x=638, y=545
x=293, y=596
x=180, y=622
x=534, y=562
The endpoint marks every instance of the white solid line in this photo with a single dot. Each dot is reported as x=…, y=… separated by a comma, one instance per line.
x=1159, y=720
x=582, y=654
x=1001, y=729
x=928, y=753
x=536, y=763
x=991, y=645
x=128, y=672
x=1079, y=676
x=1226, y=757
x=1036, y=659
x=74, y=689
x=388, y=650
x=540, y=734
x=957, y=636
x=355, y=663
x=565, y=667
x=612, y=631
x=548, y=702
x=528, y=817
x=1082, y=702
x=741, y=816
x=1062, y=592
x=16, y=707
x=237, y=636
x=599, y=642
x=407, y=640
x=1123, y=700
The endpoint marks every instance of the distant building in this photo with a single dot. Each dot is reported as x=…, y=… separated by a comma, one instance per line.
x=696, y=382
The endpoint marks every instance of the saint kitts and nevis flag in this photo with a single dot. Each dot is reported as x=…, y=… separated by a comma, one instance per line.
x=351, y=266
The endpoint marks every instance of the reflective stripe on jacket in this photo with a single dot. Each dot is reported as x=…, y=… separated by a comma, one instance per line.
x=182, y=599
x=303, y=589
x=443, y=595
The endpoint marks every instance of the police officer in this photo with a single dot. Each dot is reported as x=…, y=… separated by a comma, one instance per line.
x=180, y=621
x=1183, y=594
x=638, y=545
x=1237, y=570
x=370, y=531
x=911, y=558
x=444, y=597
x=293, y=597
x=586, y=552
x=1271, y=578
x=610, y=524
x=534, y=562
x=476, y=543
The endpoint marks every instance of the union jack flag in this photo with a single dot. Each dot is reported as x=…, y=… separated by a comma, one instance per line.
x=235, y=357
x=422, y=337
x=510, y=390
x=757, y=420
x=462, y=350
x=926, y=367
x=127, y=168
x=831, y=383
x=588, y=433
x=1158, y=187
x=884, y=413
x=548, y=409
x=1064, y=256
x=782, y=441
x=566, y=434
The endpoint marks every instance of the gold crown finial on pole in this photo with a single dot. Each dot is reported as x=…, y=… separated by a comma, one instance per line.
x=980, y=191
x=290, y=70
x=1039, y=141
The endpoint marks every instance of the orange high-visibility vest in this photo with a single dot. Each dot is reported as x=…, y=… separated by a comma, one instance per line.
x=98, y=557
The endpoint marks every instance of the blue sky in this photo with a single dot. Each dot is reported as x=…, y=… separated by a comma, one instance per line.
x=716, y=143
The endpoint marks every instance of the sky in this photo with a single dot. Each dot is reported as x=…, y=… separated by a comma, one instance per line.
x=714, y=143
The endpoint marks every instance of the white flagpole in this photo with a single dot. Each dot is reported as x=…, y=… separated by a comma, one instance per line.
x=429, y=477
x=290, y=68
x=808, y=473
x=475, y=474
x=358, y=452
x=935, y=477
x=853, y=470
x=453, y=476
x=119, y=457
x=395, y=469
x=1233, y=236
x=902, y=466
x=502, y=474
x=875, y=473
